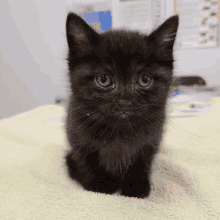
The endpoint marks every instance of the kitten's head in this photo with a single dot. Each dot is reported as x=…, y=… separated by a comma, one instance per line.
x=119, y=78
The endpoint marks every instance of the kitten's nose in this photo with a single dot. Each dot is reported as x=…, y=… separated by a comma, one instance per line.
x=124, y=104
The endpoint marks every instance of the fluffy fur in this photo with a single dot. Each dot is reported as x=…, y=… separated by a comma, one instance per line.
x=115, y=131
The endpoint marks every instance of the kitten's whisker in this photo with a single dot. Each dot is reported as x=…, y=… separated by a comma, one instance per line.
x=85, y=123
x=108, y=123
x=104, y=115
x=156, y=115
x=171, y=121
x=152, y=127
x=133, y=131
x=139, y=122
x=183, y=132
x=172, y=138
x=146, y=122
x=180, y=129
x=89, y=131
x=113, y=129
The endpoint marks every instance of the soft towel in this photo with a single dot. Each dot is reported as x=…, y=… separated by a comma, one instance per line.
x=34, y=183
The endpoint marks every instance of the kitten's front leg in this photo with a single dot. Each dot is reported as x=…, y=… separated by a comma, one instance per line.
x=136, y=181
x=92, y=177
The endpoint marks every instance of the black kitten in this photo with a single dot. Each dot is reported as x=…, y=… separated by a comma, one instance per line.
x=119, y=83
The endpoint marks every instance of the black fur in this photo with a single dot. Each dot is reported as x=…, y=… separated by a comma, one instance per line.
x=111, y=151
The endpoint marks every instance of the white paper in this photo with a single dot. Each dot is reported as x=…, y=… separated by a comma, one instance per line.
x=198, y=28
x=132, y=14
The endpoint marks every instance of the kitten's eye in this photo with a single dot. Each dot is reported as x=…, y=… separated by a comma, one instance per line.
x=145, y=80
x=103, y=80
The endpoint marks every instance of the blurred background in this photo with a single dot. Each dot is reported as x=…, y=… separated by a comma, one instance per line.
x=33, y=70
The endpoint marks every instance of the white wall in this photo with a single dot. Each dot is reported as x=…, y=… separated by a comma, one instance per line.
x=33, y=50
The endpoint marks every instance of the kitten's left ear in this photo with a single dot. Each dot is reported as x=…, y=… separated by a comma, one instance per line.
x=80, y=36
x=162, y=39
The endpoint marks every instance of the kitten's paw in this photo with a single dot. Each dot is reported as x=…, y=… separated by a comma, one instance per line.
x=136, y=189
x=103, y=184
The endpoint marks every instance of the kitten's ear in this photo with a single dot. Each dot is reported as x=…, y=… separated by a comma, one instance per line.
x=80, y=36
x=162, y=39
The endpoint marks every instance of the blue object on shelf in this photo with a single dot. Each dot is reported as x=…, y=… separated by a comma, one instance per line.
x=106, y=20
x=102, y=17
x=176, y=93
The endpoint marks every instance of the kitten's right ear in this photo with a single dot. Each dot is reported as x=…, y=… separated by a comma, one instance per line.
x=80, y=36
x=163, y=38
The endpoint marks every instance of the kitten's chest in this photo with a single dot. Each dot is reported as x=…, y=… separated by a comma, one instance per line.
x=118, y=155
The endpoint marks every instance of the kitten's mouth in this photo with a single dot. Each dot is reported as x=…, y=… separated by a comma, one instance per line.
x=123, y=115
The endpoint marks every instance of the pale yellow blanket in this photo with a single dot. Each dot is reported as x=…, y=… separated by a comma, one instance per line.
x=34, y=183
